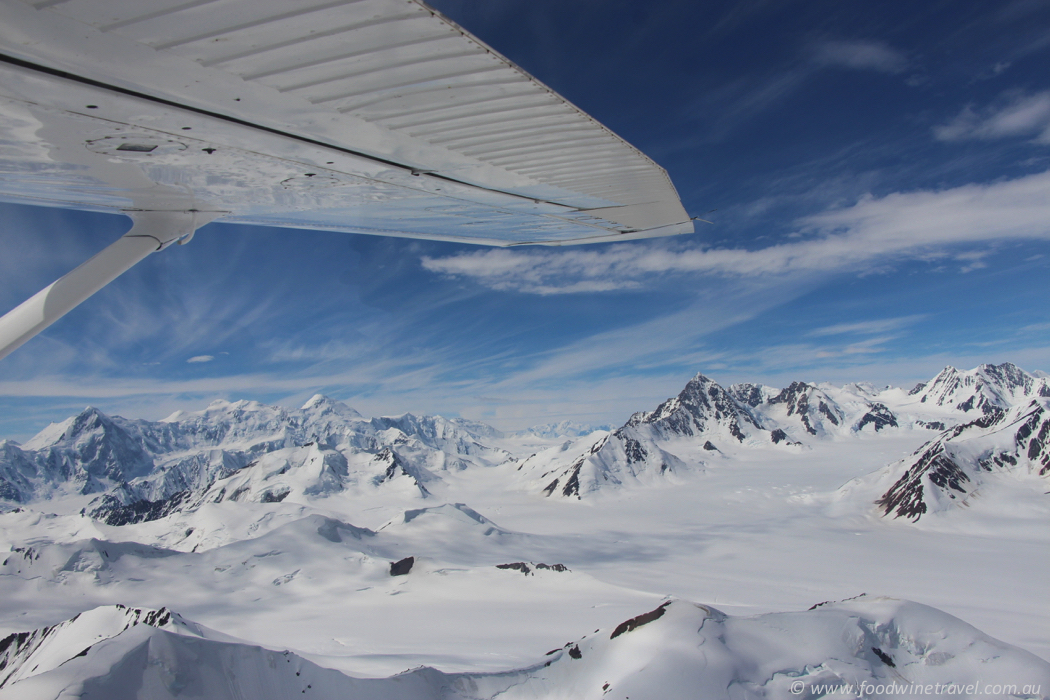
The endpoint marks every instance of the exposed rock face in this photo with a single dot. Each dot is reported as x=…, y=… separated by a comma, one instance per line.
x=701, y=423
x=702, y=407
x=748, y=394
x=680, y=649
x=523, y=567
x=812, y=406
x=84, y=453
x=706, y=422
x=248, y=452
x=879, y=417
x=112, y=511
x=636, y=622
x=951, y=467
x=393, y=467
x=983, y=389
x=402, y=567
x=569, y=480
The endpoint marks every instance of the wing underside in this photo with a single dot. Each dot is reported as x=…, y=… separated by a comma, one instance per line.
x=369, y=116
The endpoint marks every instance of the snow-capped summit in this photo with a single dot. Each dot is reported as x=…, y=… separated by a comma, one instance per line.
x=982, y=389
x=705, y=422
x=27, y=654
x=814, y=409
x=649, y=446
x=702, y=407
x=120, y=652
x=85, y=454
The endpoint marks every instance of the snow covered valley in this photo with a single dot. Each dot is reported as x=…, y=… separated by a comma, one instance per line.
x=731, y=543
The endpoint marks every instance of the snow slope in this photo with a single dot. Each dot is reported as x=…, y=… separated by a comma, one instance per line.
x=368, y=546
x=706, y=424
x=951, y=469
x=677, y=650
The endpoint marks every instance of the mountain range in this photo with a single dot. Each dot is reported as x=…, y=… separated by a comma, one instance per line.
x=982, y=422
x=335, y=551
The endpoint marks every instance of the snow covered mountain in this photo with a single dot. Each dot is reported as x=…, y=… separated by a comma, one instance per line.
x=342, y=550
x=639, y=451
x=982, y=389
x=136, y=470
x=945, y=472
x=27, y=654
x=707, y=424
x=118, y=652
x=144, y=470
x=677, y=650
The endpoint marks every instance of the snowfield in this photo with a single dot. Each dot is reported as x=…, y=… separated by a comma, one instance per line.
x=318, y=552
x=676, y=650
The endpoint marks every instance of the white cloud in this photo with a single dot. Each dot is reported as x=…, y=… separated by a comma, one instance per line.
x=201, y=358
x=1017, y=114
x=862, y=55
x=865, y=327
x=926, y=224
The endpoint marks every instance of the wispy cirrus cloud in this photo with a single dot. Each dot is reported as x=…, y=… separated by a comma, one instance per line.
x=881, y=325
x=861, y=55
x=737, y=100
x=1014, y=114
x=925, y=224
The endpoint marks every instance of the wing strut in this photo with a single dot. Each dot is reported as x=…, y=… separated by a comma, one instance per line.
x=151, y=231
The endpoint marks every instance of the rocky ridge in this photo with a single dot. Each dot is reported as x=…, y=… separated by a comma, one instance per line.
x=947, y=470
x=248, y=452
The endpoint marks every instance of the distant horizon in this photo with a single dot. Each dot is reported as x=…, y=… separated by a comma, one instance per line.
x=594, y=425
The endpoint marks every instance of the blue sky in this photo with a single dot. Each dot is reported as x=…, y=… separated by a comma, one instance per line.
x=880, y=180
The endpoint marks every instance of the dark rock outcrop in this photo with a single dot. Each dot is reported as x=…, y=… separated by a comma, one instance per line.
x=402, y=566
x=879, y=416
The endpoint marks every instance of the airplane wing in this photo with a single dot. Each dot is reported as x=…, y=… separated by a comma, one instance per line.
x=366, y=116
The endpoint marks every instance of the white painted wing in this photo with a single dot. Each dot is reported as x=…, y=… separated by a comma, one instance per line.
x=370, y=116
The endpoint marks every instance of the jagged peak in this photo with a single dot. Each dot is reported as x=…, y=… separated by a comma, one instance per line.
x=948, y=371
x=695, y=387
x=698, y=380
x=87, y=420
x=1007, y=372
x=792, y=392
x=87, y=417
x=1002, y=367
x=979, y=387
